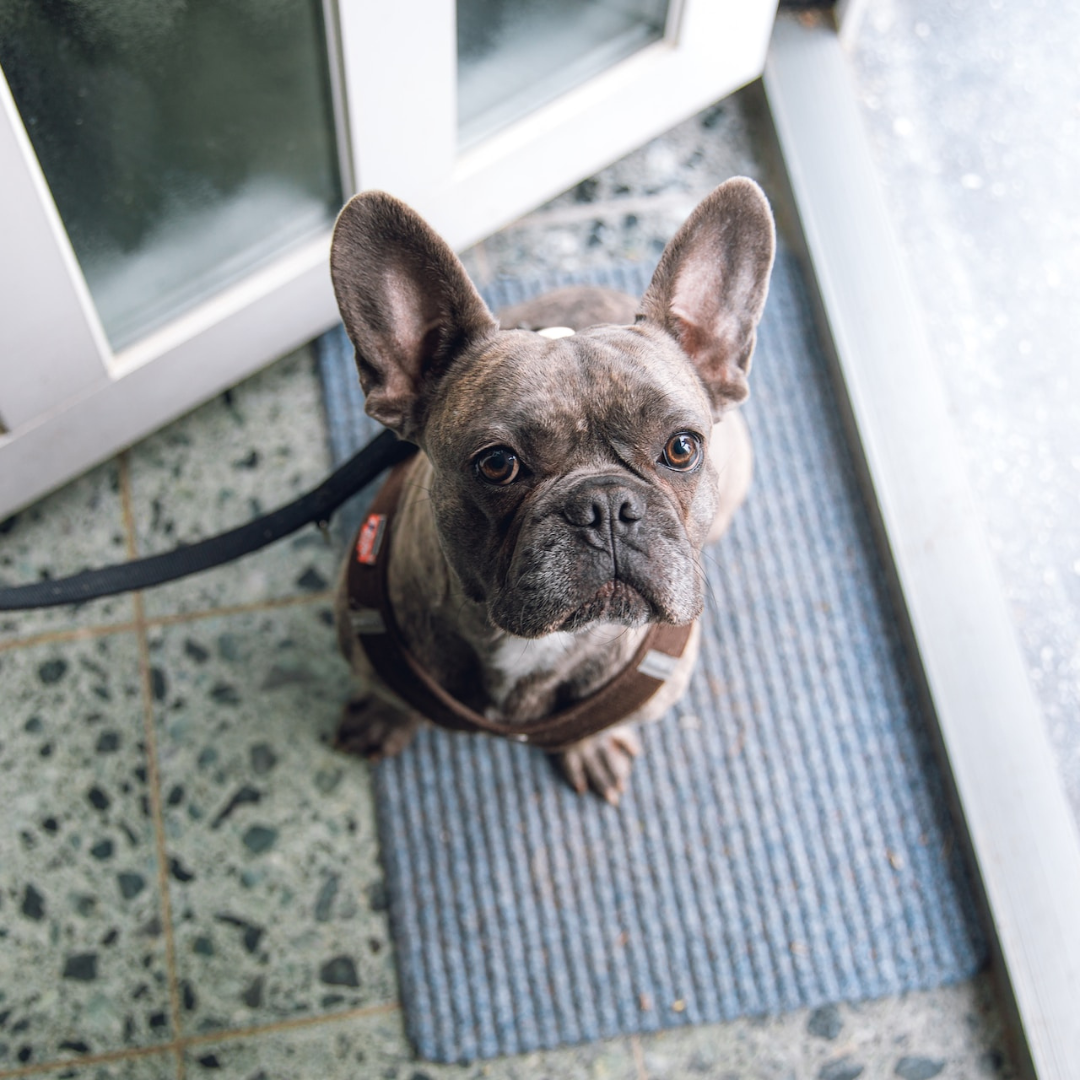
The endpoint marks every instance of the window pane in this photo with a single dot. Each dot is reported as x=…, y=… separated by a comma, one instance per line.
x=515, y=55
x=185, y=142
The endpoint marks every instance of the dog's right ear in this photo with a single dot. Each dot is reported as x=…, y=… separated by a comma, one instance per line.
x=407, y=304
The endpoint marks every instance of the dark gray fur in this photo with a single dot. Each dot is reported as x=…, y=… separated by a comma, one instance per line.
x=522, y=598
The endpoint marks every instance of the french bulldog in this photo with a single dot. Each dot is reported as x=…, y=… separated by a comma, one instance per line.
x=567, y=481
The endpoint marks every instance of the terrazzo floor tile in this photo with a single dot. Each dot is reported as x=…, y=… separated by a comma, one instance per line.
x=163, y=1066
x=275, y=881
x=953, y=1033
x=77, y=527
x=248, y=451
x=374, y=1046
x=82, y=956
x=718, y=142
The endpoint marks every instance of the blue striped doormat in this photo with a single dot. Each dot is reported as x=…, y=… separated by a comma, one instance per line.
x=785, y=841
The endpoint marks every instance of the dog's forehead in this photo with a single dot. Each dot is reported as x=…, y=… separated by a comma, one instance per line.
x=610, y=377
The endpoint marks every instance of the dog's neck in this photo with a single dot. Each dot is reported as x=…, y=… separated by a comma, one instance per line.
x=503, y=676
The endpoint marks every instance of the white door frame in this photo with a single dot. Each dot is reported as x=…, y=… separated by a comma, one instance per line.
x=67, y=401
x=711, y=48
x=1011, y=801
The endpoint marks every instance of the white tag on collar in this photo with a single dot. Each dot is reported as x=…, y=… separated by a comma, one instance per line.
x=556, y=332
x=658, y=665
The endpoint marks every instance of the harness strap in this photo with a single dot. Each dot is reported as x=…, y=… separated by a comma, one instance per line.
x=376, y=628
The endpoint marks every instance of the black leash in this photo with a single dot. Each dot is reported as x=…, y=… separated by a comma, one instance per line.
x=381, y=453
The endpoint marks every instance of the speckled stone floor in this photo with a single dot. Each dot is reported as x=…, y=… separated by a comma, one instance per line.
x=189, y=877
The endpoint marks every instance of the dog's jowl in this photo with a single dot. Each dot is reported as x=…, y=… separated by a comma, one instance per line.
x=535, y=570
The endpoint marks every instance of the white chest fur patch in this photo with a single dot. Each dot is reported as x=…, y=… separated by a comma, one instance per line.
x=516, y=658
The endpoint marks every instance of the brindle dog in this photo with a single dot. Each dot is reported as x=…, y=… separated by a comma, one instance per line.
x=567, y=485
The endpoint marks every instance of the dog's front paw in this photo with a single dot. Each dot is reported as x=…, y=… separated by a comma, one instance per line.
x=602, y=762
x=374, y=729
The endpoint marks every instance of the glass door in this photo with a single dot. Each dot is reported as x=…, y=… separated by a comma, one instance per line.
x=170, y=172
x=184, y=144
x=515, y=55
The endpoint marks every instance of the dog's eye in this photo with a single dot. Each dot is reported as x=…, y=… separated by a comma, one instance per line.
x=499, y=465
x=683, y=451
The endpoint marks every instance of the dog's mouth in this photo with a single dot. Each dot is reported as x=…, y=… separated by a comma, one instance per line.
x=558, y=583
x=615, y=601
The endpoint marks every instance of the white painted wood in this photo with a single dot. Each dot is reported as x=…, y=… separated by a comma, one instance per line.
x=674, y=19
x=717, y=46
x=1019, y=822
x=849, y=16
x=51, y=342
x=720, y=46
x=400, y=62
x=208, y=350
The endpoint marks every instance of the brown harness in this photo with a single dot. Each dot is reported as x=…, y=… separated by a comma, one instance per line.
x=377, y=630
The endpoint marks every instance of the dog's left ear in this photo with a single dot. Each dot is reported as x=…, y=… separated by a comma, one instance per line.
x=407, y=304
x=709, y=289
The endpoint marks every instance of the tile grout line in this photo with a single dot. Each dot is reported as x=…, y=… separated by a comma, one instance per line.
x=178, y=1045
x=154, y=783
x=296, y=1023
x=106, y=1058
x=240, y=609
x=153, y=774
x=53, y=636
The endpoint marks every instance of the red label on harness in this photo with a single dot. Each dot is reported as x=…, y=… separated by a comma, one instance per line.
x=370, y=539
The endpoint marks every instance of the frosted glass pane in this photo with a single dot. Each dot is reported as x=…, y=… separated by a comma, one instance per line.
x=186, y=142
x=515, y=55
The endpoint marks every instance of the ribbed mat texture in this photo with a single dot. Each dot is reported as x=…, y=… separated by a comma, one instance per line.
x=785, y=840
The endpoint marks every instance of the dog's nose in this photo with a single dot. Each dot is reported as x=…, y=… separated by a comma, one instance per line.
x=604, y=504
